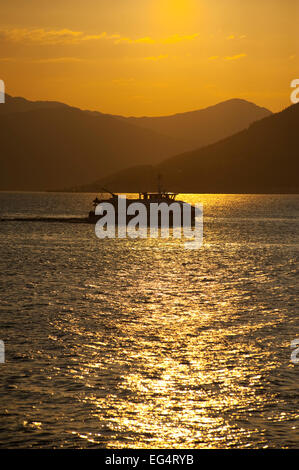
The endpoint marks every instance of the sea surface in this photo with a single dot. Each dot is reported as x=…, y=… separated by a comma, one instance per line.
x=141, y=343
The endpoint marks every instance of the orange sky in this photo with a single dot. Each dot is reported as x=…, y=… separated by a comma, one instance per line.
x=150, y=57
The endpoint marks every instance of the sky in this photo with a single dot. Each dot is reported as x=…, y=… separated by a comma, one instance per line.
x=150, y=57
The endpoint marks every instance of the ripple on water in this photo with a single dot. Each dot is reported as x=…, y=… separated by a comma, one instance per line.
x=121, y=343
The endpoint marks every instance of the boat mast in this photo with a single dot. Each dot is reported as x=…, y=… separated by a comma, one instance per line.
x=109, y=192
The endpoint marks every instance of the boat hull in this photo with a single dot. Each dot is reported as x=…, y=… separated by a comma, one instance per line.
x=170, y=219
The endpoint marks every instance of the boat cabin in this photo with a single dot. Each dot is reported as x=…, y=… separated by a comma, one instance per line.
x=157, y=196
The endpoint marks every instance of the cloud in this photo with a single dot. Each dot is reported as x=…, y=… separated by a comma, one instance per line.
x=42, y=36
x=233, y=36
x=51, y=60
x=7, y=59
x=158, y=57
x=235, y=57
x=145, y=40
x=52, y=37
x=67, y=36
x=123, y=81
x=57, y=60
x=175, y=38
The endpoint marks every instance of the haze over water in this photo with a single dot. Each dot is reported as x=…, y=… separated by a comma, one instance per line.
x=142, y=343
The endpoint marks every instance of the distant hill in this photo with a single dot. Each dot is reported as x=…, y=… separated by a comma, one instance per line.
x=18, y=105
x=205, y=126
x=261, y=159
x=54, y=146
x=49, y=145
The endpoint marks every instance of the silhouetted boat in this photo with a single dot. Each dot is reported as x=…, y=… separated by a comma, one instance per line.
x=145, y=198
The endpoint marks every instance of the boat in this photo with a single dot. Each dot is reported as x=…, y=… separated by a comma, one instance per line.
x=146, y=199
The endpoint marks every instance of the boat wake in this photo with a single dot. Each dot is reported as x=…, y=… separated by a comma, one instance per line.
x=71, y=220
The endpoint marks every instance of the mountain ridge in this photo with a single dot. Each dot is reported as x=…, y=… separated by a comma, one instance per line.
x=48, y=145
x=204, y=126
x=263, y=158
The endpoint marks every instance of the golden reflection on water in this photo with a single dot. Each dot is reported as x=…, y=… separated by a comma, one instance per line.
x=160, y=347
x=191, y=362
x=188, y=367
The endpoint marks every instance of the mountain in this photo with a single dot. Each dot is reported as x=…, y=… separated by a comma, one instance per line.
x=261, y=159
x=49, y=145
x=205, y=126
x=18, y=105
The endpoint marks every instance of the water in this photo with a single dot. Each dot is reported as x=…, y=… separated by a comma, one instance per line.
x=142, y=343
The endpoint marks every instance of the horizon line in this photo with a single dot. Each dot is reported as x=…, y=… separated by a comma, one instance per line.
x=144, y=115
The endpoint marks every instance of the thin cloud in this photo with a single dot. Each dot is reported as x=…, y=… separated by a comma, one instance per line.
x=57, y=60
x=7, y=59
x=56, y=37
x=145, y=40
x=235, y=57
x=234, y=37
x=175, y=38
x=67, y=36
x=155, y=58
x=123, y=81
x=42, y=36
x=50, y=60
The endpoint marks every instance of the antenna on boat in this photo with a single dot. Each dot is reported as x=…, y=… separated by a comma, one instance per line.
x=109, y=192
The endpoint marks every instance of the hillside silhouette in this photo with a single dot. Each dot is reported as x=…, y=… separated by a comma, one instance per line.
x=19, y=105
x=205, y=126
x=261, y=159
x=49, y=145
x=54, y=146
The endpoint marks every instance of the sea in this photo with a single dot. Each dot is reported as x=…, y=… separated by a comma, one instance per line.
x=142, y=343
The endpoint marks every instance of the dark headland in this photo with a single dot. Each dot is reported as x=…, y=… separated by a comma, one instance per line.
x=53, y=146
